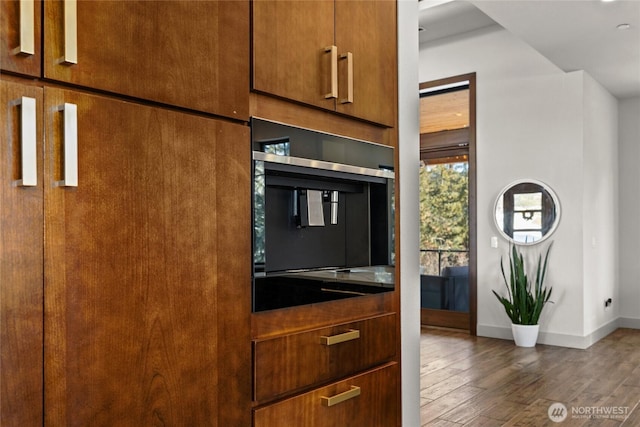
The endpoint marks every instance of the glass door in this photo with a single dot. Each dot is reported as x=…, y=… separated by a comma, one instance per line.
x=444, y=241
x=447, y=210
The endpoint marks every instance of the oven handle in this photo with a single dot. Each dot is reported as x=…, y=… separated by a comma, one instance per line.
x=321, y=164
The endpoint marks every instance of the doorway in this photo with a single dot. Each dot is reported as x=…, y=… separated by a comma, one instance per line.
x=447, y=203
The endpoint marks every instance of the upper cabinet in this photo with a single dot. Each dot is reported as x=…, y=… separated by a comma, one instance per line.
x=191, y=54
x=310, y=52
x=188, y=54
x=20, y=34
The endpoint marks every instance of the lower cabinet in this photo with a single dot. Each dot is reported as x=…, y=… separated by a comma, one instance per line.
x=366, y=400
x=120, y=302
x=21, y=247
x=339, y=375
x=146, y=321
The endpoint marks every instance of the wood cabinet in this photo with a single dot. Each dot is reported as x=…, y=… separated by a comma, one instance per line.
x=366, y=400
x=190, y=54
x=337, y=373
x=20, y=35
x=21, y=247
x=143, y=320
x=292, y=362
x=336, y=55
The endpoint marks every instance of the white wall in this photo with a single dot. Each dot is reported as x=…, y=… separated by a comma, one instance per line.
x=531, y=123
x=629, y=214
x=600, y=200
x=409, y=140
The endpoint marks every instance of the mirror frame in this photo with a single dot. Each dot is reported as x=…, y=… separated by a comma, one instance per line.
x=556, y=202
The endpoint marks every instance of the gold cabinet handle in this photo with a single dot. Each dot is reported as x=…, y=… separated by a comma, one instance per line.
x=28, y=142
x=70, y=149
x=349, y=99
x=353, y=334
x=341, y=397
x=27, y=29
x=70, y=32
x=333, y=50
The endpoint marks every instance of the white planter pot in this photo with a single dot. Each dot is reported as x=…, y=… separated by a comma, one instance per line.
x=525, y=335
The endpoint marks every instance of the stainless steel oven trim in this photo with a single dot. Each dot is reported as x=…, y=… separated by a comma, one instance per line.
x=321, y=164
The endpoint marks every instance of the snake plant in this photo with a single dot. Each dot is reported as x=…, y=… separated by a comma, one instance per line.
x=526, y=299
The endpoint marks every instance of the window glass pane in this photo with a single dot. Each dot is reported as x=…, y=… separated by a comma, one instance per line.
x=525, y=201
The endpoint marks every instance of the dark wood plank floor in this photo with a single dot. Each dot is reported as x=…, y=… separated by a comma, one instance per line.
x=475, y=381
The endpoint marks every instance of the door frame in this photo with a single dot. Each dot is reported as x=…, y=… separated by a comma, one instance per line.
x=459, y=320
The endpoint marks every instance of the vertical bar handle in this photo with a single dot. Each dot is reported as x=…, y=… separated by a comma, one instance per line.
x=70, y=149
x=27, y=28
x=349, y=99
x=333, y=50
x=28, y=142
x=70, y=32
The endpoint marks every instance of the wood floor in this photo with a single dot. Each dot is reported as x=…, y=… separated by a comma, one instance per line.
x=475, y=381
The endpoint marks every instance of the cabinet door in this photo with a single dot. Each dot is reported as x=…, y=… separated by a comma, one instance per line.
x=374, y=59
x=147, y=272
x=289, y=50
x=192, y=54
x=20, y=47
x=21, y=246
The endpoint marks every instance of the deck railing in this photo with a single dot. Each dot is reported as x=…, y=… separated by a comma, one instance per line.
x=433, y=261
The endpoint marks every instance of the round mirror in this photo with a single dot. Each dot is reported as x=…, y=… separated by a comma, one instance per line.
x=527, y=212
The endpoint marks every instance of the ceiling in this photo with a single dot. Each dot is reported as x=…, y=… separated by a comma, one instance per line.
x=573, y=34
x=444, y=111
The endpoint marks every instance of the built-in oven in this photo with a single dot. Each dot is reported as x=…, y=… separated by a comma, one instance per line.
x=323, y=216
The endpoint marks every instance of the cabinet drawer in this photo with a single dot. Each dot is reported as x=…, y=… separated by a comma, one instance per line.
x=367, y=400
x=306, y=359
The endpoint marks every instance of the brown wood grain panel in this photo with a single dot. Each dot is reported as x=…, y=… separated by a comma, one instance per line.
x=137, y=284
x=283, y=111
x=233, y=222
x=375, y=59
x=192, y=54
x=293, y=362
x=289, y=59
x=271, y=323
x=298, y=68
x=376, y=406
x=10, y=59
x=21, y=270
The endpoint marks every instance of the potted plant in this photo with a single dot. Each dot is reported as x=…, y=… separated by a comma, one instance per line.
x=525, y=298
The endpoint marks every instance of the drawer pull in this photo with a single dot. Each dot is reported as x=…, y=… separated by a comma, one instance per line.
x=341, y=397
x=333, y=50
x=353, y=334
x=27, y=31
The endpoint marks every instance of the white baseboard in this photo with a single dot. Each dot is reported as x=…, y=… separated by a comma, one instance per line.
x=629, y=322
x=562, y=340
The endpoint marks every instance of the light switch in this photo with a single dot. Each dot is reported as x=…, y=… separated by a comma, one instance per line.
x=494, y=242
